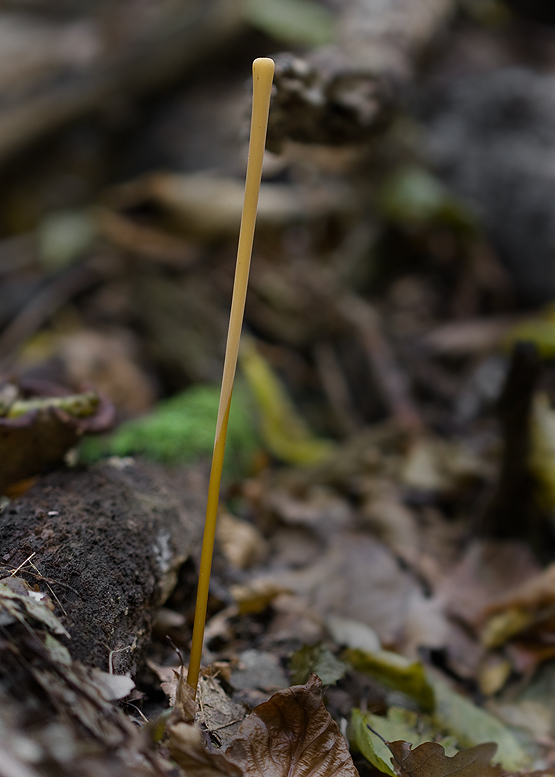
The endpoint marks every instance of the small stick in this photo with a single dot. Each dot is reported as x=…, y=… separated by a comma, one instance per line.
x=373, y=730
x=388, y=374
x=263, y=73
x=40, y=308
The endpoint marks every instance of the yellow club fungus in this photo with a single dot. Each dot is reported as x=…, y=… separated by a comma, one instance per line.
x=263, y=73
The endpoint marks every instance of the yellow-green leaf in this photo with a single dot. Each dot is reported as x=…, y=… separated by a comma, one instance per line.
x=471, y=725
x=284, y=432
x=394, y=671
x=295, y=22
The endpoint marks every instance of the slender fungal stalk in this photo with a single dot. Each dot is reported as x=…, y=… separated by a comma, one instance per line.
x=263, y=73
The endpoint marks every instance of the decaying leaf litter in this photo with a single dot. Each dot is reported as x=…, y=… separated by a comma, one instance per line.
x=385, y=529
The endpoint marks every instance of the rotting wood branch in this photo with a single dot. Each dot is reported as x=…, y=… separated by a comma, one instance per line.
x=346, y=93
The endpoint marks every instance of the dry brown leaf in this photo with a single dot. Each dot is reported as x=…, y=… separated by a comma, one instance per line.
x=206, y=205
x=527, y=608
x=429, y=760
x=185, y=707
x=187, y=749
x=107, y=360
x=292, y=735
x=219, y=715
x=241, y=542
x=40, y=437
x=256, y=594
x=533, y=594
x=359, y=578
x=185, y=741
x=488, y=570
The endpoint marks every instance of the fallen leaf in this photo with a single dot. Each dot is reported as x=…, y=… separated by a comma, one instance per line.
x=260, y=670
x=359, y=578
x=75, y=690
x=185, y=707
x=352, y=634
x=372, y=748
x=294, y=619
x=170, y=677
x=219, y=715
x=294, y=22
x=257, y=594
x=44, y=426
x=108, y=361
x=437, y=466
x=464, y=652
x=187, y=749
x=493, y=673
x=471, y=725
x=400, y=724
x=207, y=206
x=292, y=735
x=112, y=686
x=392, y=522
x=316, y=659
x=505, y=625
x=186, y=743
x=429, y=760
x=535, y=717
x=487, y=571
x=396, y=672
x=283, y=430
x=18, y=601
x=531, y=604
x=426, y=625
x=57, y=652
x=241, y=542
x=319, y=509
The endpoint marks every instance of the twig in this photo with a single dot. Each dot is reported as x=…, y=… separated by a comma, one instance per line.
x=512, y=511
x=39, y=576
x=373, y=730
x=40, y=308
x=336, y=388
x=15, y=571
x=111, y=655
x=388, y=374
x=146, y=242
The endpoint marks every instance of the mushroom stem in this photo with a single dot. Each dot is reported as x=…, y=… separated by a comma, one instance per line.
x=263, y=73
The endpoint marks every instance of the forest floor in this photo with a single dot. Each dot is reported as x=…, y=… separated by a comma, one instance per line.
x=384, y=558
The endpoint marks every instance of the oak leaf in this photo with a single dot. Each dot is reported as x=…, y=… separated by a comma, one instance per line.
x=429, y=760
x=292, y=735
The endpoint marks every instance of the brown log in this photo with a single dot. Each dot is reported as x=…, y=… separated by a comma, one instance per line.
x=107, y=543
